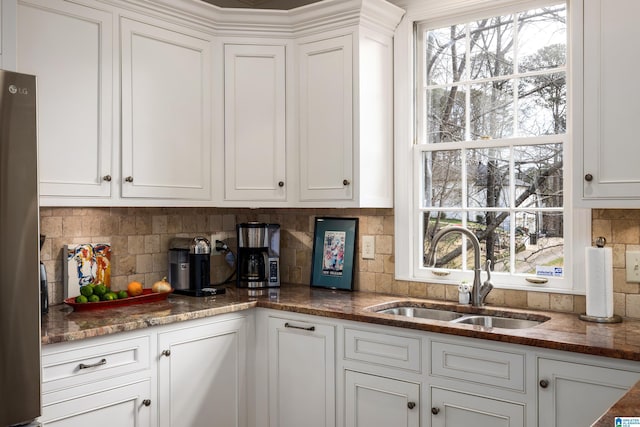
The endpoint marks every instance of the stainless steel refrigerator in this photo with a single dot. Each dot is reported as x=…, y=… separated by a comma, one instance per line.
x=19, y=251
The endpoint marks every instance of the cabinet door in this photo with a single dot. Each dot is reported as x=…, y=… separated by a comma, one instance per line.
x=453, y=409
x=610, y=156
x=201, y=375
x=326, y=119
x=254, y=117
x=373, y=401
x=572, y=394
x=301, y=374
x=125, y=406
x=69, y=48
x=166, y=113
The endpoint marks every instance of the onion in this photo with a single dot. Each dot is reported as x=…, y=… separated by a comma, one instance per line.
x=161, y=286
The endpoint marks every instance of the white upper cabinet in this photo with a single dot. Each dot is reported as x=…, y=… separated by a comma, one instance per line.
x=69, y=48
x=607, y=173
x=326, y=119
x=254, y=122
x=166, y=113
x=346, y=118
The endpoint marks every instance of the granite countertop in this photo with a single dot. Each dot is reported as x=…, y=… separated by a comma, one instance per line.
x=562, y=332
x=627, y=406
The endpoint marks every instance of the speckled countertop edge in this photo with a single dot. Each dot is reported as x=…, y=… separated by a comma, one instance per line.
x=562, y=332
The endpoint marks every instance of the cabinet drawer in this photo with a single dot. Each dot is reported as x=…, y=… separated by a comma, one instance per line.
x=70, y=364
x=383, y=349
x=501, y=369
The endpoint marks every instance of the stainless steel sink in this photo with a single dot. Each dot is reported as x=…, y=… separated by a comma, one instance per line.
x=481, y=317
x=423, y=313
x=497, y=322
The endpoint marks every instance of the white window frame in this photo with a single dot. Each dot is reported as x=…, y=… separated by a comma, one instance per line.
x=408, y=256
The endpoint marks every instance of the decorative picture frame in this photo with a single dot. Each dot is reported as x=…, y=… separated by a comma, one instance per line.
x=334, y=249
x=84, y=264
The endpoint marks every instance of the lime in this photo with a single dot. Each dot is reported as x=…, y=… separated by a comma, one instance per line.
x=100, y=290
x=123, y=294
x=94, y=298
x=109, y=296
x=81, y=299
x=86, y=290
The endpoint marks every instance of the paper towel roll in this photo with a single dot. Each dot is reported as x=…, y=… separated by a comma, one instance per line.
x=599, y=281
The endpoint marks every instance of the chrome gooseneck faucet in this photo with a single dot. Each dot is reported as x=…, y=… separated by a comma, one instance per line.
x=480, y=290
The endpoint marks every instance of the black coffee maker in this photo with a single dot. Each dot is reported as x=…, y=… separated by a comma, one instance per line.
x=258, y=255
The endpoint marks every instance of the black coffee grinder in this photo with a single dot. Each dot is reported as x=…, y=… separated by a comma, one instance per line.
x=199, y=266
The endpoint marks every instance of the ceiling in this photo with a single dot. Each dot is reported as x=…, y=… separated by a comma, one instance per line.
x=261, y=4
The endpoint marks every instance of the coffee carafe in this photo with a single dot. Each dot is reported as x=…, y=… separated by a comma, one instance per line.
x=256, y=266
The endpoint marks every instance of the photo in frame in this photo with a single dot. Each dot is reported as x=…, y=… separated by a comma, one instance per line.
x=334, y=249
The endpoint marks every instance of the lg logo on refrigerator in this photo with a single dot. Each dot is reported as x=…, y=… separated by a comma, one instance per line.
x=13, y=89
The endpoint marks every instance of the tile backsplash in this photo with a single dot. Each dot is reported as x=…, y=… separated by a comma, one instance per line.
x=140, y=240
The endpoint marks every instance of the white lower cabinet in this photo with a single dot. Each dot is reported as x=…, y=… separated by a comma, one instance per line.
x=451, y=408
x=201, y=375
x=123, y=406
x=375, y=401
x=302, y=372
x=576, y=394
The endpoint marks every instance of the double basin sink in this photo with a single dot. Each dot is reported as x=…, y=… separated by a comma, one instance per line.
x=471, y=315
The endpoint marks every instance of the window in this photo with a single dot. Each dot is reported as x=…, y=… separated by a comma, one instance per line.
x=491, y=111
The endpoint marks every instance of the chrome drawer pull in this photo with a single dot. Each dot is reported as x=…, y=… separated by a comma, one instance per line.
x=93, y=365
x=309, y=328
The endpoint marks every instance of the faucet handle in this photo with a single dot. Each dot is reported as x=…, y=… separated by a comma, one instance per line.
x=487, y=285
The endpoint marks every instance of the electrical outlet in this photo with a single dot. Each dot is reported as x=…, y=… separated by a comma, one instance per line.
x=633, y=266
x=368, y=247
x=214, y=237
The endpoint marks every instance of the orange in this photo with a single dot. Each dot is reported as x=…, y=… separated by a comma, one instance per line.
x=134, y=289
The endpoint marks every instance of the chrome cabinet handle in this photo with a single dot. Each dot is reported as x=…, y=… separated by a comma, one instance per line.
x=146, y=402
x=307, y=328
x=166, y=353
x=346, y=182
x=280, y=183
x=411, y=405
x=588, y=177
x=107, y=178
x=92, y=365
x=544, y=383
x=435, y=411
x=129, y=179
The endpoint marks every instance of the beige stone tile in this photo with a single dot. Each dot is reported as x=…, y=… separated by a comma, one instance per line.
x=436, y=291
x=384, y=244
x=451, y=293
x=620, y=282
x=375, y=225
x=389, y=264
x=601, y=227
x=127, y=225
x=159, y=224
x=135, y=245
x=72, y=226
x=619, y=304
x=123, y=265
x=388, y=225
x=174, y=224
x=625, y=231
x=295, y=275
x=303, y=257
x=399, y=287
x=160, y=263
x=579, y=304
x=618, y=254
x=228, y=222
x=633, y=306
x=515, y=298
x=376, y=265
x=538, y=300
x=367, y=281
x=561, y=302
x=496, y=297
x=383, y=283
x=51, y=226
x=109, y=225
x=418, y=289
x=215, y=223
x=144, y=263
x=152, y=244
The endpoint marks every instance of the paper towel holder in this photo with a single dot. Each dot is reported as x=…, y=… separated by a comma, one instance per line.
x=600, y=242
